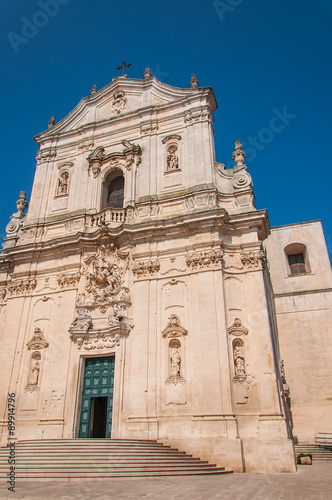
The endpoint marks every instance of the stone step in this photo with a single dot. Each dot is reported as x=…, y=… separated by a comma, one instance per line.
x=319, y=453
x=74, y=459
x=118, y=475
x=109, y=460
x=111, y=467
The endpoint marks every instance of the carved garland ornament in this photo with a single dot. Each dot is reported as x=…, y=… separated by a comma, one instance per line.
x=45, y=155
x=142, y=269
x=68, y=280
x=196, y=115
x=20, y=287
x=253, y=260
x=204, y=259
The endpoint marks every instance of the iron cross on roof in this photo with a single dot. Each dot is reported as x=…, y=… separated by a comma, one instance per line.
x=123, y=66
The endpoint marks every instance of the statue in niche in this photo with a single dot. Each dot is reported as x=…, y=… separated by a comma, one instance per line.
x=239, y=360
x=175, y=363
x=35, y=369
x=63, y=183
x=172, y=158
x=175, y=358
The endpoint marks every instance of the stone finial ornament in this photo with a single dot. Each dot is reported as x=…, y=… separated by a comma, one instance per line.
x=94, y=89
x=51, y=123
x=147, y=73
x=194, y=82
x=21, y=204
x=238, y=155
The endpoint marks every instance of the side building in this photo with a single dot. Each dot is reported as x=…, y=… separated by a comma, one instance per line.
x=136, y=299
x=302, y=281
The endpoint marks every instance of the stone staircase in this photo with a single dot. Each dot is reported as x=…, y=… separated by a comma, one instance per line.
x=319, y=453
x=69, y=459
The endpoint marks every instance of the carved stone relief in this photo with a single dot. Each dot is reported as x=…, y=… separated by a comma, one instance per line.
x=104, y=273
x=237, y=329
x=52, y=405
x=204, y=259
x=100, y=340
x=119, y=101
x=244, y=261
x=253, y=260
x=3, y=292
x=46, y=155
x=63, y=182
x=149, y=127
x=37, y=341
x=242, y=180
x=143, y=269
x=172, y=158
x=68, y=280
x=85, y=145
x=197, y=115
x=130, y=155
x=21, y=287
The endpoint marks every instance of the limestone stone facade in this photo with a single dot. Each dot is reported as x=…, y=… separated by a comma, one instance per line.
x=139, y=248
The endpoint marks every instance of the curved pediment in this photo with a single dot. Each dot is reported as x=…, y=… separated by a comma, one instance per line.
x=123, y=97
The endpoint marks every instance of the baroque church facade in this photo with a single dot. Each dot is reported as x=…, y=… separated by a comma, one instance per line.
x=144, y=296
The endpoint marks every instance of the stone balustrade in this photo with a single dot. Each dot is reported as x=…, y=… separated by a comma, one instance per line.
x=107, y=217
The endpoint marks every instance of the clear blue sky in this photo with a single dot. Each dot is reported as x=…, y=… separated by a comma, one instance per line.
x=262, y=57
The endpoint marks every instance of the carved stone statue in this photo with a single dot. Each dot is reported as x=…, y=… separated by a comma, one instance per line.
x=51, y=123
x=63, y=183
x=175, y=363
x=172, y=159
x=239, y=362
x=94, y=89
x=34, y=374
x=194, y=82
x=147, y=73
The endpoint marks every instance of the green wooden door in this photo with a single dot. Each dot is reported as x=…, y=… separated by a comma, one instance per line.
x=98, y=384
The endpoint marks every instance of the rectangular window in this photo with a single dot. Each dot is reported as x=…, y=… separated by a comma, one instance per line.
x=296, y=263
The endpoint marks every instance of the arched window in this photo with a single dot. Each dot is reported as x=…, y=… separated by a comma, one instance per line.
x=115, y=194
x=297, y=259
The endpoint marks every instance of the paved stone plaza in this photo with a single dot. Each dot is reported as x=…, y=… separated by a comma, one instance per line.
x=308, y=483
